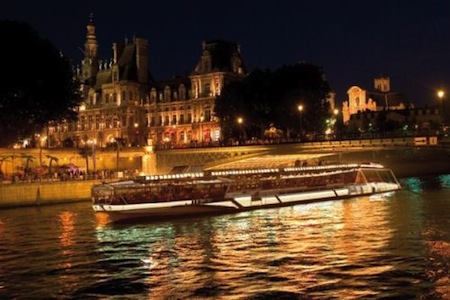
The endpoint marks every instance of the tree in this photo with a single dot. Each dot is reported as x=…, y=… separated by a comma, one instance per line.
x=38, y=85
x=86, y=153
x=52, y=159
x=28, y=158
x=266, y=99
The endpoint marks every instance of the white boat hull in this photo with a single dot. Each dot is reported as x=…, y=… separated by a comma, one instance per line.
x=235, y=203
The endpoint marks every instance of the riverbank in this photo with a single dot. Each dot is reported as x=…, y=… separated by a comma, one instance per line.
x=33, y=194
x=404, y=163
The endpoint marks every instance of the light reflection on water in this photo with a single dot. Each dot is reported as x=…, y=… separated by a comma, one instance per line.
x=397, y=245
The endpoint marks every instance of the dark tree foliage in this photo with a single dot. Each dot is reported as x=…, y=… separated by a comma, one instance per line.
x=37, y=86
x=266, y=98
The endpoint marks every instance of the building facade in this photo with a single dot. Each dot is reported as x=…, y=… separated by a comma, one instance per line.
x=382, y=98
x=123, y=103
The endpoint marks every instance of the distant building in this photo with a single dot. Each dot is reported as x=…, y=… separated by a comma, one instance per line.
x=122, y=102
x=360, y=100
x=414, y=120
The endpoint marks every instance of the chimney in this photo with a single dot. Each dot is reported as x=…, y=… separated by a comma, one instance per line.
x=142, y=59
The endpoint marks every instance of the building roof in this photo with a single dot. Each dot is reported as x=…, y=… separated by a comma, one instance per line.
x=127, y=63
x=174, y=82
x=389, y=99
x=219, y=55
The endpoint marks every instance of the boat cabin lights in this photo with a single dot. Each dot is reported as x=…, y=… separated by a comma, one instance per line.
x=372, y=165
x=174, y=176
x=243, y=171
x=326, y=167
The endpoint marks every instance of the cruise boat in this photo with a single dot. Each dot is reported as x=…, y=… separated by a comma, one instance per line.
x=224, y=191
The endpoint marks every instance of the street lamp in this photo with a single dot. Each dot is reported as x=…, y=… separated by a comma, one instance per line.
x=93, y=142
x=137, y=138
x=240, y=121
x=336, y=113
x=441, y=95
x=118, y=142
x=42, y=141
x=300, y=109
x=201, y=128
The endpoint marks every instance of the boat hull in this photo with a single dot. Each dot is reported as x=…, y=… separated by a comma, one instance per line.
x=243, y=202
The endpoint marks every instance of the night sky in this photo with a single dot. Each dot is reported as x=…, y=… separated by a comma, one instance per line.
x=354, y=41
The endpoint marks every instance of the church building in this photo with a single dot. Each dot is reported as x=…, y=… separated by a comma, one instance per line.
x=382, y=98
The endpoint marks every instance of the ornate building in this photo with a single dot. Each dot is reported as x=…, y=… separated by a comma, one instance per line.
x=122, y=102
x=180, y=110
x=360, y=100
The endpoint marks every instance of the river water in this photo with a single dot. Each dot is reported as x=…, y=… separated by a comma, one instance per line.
x=394, y=246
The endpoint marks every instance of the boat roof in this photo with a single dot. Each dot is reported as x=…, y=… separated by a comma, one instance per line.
x=251, y=171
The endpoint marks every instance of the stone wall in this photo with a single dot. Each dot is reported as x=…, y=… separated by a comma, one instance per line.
x=105, y=159
x=26, y=194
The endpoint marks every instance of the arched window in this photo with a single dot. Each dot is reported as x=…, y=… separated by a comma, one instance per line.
x=182, y=92
x=167, y=91
x=153, y=95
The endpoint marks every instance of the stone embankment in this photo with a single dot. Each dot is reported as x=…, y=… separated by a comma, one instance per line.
x=405, y=162
x=29, y=194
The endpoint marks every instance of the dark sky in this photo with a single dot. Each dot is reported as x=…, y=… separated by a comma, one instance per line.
x=354, y=41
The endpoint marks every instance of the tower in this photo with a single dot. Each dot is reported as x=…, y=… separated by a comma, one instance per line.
x=90, y=62
x=382, y=84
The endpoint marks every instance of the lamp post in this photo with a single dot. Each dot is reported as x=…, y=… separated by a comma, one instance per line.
x=117, y=154
x=42, y=140
x=94, y=168
x=201, y=129
x=137, y=139
x=300, y=109
x=441, y=95
x=336, y=113
x=240, y=121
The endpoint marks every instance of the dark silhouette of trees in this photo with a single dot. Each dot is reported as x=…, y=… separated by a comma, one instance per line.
x=269, y=99
x=37, y=85
x=52, y=159
x=86, y=153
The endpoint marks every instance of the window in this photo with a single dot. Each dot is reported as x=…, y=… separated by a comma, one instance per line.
x=207, y=89
x=206, y=64
x=207, y=115
x=182, y=92
x=167, y=94
x=153, y=95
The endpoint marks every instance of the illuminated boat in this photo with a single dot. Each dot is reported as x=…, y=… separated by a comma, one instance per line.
x=224, y=191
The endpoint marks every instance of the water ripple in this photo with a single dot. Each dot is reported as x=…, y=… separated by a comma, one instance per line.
x=396, y=247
